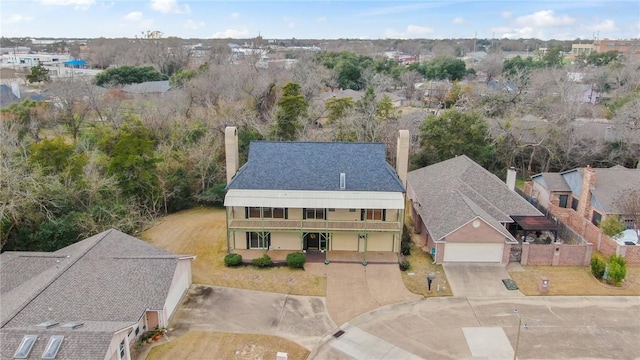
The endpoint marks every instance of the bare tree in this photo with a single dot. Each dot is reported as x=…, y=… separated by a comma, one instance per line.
x=628, y=205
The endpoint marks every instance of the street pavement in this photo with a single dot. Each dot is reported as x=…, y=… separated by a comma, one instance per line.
x=487, y=328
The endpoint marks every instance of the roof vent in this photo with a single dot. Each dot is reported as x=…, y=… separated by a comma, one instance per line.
x=51, y=351
x=48, y=324
x=25, y=347
x=343, y=181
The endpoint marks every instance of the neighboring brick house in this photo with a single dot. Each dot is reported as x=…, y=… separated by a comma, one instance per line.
x=463, y=212
x=89, y=300
x=315, y=196
x=592, y=193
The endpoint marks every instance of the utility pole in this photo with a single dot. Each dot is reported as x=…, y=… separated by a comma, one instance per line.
x=520, y=325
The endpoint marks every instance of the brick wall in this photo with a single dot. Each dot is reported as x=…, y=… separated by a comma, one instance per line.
x=592, y=234
x=556, y=254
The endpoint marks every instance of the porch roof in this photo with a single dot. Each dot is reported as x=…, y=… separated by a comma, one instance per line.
x=315, y=199
x=535, y=223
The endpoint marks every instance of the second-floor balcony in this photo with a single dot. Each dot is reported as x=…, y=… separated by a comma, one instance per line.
x=313, y=225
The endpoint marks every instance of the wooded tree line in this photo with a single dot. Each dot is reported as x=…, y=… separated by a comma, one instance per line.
x=93, y=158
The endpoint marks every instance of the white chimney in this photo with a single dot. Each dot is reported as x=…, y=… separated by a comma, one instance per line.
x=15, y=89
x=231, y=151
x=402, y=156
x=511, y=179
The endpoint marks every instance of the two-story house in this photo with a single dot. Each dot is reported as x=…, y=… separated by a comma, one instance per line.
x=315, y=196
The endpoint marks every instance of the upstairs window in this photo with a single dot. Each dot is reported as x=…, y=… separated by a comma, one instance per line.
x=314, y=213
x=266, y=212
x=373, y=214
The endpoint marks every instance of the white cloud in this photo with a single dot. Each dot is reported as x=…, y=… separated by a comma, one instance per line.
x=291, y=25
x=231, y=33
x=459, y=20
x=523, y=33
x=169, y=6
x=68, y=2
x=77, y=4
x=605, y=26
x=544, y=18
x=17, y=18
x=412, y=31
x=321, y=19
x=133, y=16
x=193, y=25
x=418, y=30
x=506, y=14
x=235, y=15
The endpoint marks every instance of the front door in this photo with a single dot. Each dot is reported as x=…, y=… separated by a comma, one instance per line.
x=312, y=241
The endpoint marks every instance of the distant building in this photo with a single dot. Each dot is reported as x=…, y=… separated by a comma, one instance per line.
x=628, y=48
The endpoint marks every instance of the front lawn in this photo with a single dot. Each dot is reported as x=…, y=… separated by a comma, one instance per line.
x=202, y=232
x=573, y=280
x=214, y=345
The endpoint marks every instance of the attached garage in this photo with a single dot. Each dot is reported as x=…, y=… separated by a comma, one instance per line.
x=473, y=252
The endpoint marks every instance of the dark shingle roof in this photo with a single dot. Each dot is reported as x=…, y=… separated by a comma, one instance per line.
x=106, y=281
x=453, y=192
x=316, y=166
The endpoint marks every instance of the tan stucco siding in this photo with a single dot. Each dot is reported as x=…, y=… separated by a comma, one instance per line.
x=344, y=242
x=237, y=212
x=391, y=215
x=482, y=234
x=286, y=241
x=113, y=351
x=295, y=213
x=379, y=242
x=343, y=215
x=239, y=240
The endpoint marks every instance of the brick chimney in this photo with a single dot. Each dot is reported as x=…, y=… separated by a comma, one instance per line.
x=402, y=156
x=231, y=151
x=589, y=178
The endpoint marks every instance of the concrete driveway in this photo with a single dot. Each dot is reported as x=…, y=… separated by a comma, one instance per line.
x=354, y=289
x=302, y=319
x=479, y=280
x=487, y=328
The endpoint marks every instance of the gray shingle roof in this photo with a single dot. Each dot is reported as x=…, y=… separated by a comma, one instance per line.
x=106, y=281
x=148, y=87
x=552, y=181
x=316, y=166
x=453, y=192
x=611, y=183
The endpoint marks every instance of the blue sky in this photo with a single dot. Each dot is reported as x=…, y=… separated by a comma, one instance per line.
x=562, y=19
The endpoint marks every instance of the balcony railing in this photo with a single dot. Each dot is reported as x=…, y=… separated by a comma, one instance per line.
x=313, y=225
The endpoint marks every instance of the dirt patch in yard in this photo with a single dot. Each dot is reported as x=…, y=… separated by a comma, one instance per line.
x=214, y=345
x=573, y=280
x=202, y=232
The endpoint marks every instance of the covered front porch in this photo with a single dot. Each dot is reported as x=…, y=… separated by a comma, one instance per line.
x=369, y=257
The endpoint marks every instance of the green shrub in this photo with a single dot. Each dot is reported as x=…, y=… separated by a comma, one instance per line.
x=612, y=225
x=405, y=265
x=233, y=260
x=598, y=266
x=617, y=270
x=264, y=261
x=296, y=260
x=405, y=243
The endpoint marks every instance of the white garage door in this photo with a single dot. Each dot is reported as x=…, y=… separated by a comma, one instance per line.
x=470, y=252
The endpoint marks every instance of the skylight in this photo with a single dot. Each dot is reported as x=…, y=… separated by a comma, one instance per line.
x=25, y=347
x=73, y=324
x=53, y=346
x=48, y=324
